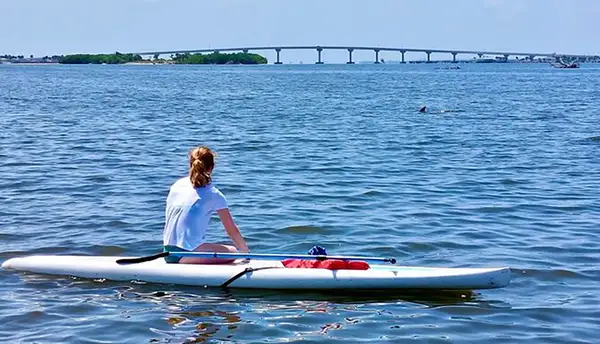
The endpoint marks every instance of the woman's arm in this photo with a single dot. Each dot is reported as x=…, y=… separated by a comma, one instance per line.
x=232, y=230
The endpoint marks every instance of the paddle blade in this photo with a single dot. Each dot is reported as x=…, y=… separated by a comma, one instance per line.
x=125, y=261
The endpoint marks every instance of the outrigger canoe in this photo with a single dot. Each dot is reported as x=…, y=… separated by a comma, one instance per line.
x=263, y=271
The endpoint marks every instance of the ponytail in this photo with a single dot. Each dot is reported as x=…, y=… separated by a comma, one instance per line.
x=202, y=162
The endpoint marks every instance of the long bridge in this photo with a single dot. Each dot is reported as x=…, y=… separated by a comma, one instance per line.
x=350, y=49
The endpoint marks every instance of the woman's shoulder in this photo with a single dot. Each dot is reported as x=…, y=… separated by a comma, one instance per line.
x=214, y=190
x=219, y=200
x=209, y=189
x=183, y=181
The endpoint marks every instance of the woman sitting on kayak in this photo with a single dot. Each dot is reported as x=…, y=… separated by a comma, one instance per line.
x=191, y=202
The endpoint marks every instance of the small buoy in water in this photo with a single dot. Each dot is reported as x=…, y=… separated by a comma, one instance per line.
x=423, y=109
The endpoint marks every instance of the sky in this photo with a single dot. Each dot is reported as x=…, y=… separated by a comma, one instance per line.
x=42, y=27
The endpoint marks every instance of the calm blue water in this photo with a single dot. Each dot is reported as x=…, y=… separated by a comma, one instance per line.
x=503, y=170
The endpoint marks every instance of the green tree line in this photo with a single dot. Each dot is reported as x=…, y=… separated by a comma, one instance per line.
x=219, y=58
x=116, y=58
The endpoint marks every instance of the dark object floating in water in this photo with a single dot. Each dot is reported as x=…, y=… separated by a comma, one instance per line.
x=424, y=109
x=559, y=63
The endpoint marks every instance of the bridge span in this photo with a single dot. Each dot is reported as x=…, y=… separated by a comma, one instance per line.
x=320, y=48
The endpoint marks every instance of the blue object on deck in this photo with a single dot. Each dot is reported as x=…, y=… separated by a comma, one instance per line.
x=317, y=251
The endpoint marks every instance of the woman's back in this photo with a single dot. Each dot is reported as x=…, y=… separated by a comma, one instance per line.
x=188, y=213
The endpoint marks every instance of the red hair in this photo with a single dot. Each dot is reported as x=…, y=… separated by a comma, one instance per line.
x=202, y=162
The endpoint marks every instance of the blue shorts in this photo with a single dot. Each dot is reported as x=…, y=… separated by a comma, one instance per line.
x=173, y=259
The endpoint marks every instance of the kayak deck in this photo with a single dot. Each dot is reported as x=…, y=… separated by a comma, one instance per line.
x=267, y=274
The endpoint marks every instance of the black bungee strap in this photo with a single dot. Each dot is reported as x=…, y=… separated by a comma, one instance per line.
x=245, y=271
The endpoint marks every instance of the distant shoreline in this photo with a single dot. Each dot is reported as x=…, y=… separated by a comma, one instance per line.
x=29, y=63
x=118, y=58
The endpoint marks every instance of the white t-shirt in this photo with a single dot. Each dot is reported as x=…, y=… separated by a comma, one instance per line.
x=188, y=213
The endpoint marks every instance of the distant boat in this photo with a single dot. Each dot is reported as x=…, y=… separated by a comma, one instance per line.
x=490, y=59
x=559, y=63
x=450, y=67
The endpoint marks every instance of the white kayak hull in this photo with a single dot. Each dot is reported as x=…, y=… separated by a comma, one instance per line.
x=271, y=274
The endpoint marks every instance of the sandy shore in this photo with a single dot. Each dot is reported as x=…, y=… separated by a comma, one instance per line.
x=147, y=63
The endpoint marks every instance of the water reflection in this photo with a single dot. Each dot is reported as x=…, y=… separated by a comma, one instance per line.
x=199, y=315
x=424, y=297
x=190, y=315
x=205, y=323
